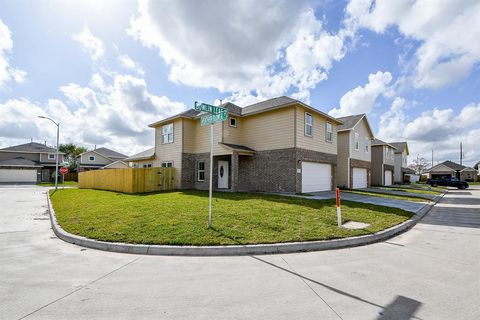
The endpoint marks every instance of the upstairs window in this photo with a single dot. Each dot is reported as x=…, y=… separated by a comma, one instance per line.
x=366, y=144
x=357, y=137
x=51, y=156
x=201, y=171
x=387, y=152
x=167, y=133
x=391, y=154
x=232, y=122
x=91, y=158
x=329, y=135
x=308, y=124
x=167, y=164
x=147, y=165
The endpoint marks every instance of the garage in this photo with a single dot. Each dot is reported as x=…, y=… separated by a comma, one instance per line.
x=360, y=178
x=388, y=178
x=18, y=176
x=316, y=177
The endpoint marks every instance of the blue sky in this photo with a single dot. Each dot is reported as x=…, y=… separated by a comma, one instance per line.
x=106, y=70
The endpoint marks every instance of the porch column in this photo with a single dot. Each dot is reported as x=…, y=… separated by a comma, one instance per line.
x=234, y=173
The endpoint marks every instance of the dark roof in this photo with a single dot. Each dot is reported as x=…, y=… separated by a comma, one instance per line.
x=31, y=147
x=267, y=104
x=453, y=165
x=109, y=153
x=237, y=146
x=349, y=121
x=144, y=155
x=19, y=162
x=400, y=146
x=378, y=142
x=408, y=170
x=232, y=108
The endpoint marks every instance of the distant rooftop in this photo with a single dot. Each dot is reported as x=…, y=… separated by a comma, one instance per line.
x=32, y=147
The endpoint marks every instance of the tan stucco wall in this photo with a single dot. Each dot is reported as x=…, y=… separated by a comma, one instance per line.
x=317, y=142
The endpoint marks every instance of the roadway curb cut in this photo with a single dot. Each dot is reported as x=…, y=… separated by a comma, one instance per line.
x=236, y=250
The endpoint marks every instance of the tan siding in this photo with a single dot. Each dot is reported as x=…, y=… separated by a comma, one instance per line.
x=269, y=130
x=363, y=132
x=232, y=134
x=342, y=159
x=99, y=159
x=170, y=151
x=317, y=142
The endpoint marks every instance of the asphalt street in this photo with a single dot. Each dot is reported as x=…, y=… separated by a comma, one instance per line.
x=429, y=272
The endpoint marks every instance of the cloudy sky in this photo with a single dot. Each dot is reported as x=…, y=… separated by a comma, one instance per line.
x=106, y=69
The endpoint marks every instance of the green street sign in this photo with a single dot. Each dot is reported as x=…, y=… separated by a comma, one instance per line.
x=212, y=118
x=208, y=108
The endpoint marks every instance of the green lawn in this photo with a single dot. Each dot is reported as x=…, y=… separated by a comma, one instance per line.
x=180, y=218
x=390, y=196
x=52, y=184
x=412, y=190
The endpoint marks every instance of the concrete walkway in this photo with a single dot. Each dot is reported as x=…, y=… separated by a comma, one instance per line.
x=430, y=272
x=401, y=204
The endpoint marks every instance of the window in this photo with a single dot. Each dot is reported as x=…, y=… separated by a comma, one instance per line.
x=308, y=124
x=391, y=153
x=167, y=133
x=232, y=122
x=167, y=164
x=201, y=171
x=91, y=158
x=356, y=141
x=147, y=165
x=366, y=144
x=387, y=152
x=51, y=156
x=329, y=135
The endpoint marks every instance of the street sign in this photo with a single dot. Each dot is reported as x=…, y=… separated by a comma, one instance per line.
x=63, y=170
x=212, y=118
x=208, y=108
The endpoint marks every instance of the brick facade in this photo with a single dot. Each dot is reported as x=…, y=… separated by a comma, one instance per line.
x=355, y=163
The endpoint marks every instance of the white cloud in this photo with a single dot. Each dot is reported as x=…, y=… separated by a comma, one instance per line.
x=448, y=33
x=246, y=47
x=128, y=63
x=362, y=99
x=114, y=114
x=91, y=44
x=8, y=72
x=439, y=129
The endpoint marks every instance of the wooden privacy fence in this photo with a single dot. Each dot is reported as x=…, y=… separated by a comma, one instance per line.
x=131, y=180
x=71, y=176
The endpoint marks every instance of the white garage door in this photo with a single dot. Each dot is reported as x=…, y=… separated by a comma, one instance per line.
x=17, y=175
x=360, y=178
x=388, y=177
x=316, y=177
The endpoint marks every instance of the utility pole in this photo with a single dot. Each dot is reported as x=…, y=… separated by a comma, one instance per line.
x=56, y=156
x=432, y=158
x=461, y=153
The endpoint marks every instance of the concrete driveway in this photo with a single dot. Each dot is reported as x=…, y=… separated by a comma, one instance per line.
x=430, y=272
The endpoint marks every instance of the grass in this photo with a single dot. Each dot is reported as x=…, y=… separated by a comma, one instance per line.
x=390, y=196
x=180, y=218
x=412, y=190
x=52, y=184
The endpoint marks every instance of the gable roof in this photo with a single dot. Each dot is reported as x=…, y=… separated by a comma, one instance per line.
x=18, y=162
x=144, y=155
x=114, y=163
x=31, y=147
x=350, y=122
x=263, y=106
x=450, y=164
x=378, y=142
x=108, y=153
x=400, y=146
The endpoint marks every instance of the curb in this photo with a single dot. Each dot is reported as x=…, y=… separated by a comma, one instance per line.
x=237, y=250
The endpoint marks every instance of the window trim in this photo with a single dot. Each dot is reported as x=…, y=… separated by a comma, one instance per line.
x=306, y=124
x=90, y=158
x=164, y=164
x=147, y=165
x=366, y=145
x=168, y=134
x=327, y=132
x=51, y=154
x=356, y=141
x=201, y=171
x=230, y=122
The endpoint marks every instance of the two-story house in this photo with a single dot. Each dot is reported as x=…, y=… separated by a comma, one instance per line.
x=278, y=145
x=354, y=154
x=142, y=159
x=383, y=163
x=401, y=155
x=28, y=163
x=100, y=158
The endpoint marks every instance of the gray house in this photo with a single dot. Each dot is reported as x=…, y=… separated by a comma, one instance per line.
x=99, y=158
x=401, y=155
x=28, y=163
x=450, y=169
x=383, y=163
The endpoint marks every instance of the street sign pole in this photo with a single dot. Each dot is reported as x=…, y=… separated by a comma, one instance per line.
x=211, y=178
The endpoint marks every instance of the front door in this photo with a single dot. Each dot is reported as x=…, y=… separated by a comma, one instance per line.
x=223, y=174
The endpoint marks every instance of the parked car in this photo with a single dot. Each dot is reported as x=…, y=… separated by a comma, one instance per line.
x=448, y=182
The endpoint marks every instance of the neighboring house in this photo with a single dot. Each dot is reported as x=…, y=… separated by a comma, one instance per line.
x=97, y=159
x=354, y=152
x=401, y=156
x=383, y=163
x=142, y=159
x=28, y=163
x=278, y=145
x=452, y=169
x=119, y=164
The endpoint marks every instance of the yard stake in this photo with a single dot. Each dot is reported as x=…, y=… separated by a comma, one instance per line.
x=339, y=209
x=211, y=178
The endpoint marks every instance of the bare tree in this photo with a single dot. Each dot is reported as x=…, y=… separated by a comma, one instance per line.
x=420, y=165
